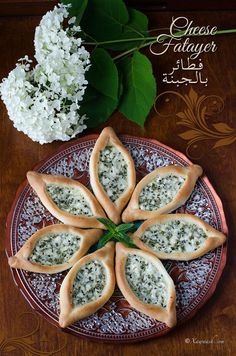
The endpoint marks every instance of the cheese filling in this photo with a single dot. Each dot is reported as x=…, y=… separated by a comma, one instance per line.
x=175, y=235
x=54, y=249
x=145, y=280
x=160, y=191
x=69, y=199
x=113, y=172
x=89, y=283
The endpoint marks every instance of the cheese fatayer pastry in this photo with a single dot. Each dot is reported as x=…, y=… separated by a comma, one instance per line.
x=112, y=174
x=66, y=199
x=145, y=284
x=161, y=191
x=177, y=237
x=88, y=285
x=54, y=248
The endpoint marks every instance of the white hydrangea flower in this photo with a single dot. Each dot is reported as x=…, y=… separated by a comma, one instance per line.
x=44, y=102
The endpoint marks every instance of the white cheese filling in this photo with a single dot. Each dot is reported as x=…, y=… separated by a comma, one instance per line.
x=145, y=280
x=89, y=283
x=69, y=199
x=54, y=249
x=160, y=191
x=174, y=236
x=113, y=172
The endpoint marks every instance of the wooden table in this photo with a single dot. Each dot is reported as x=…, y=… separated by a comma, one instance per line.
x=22, y=332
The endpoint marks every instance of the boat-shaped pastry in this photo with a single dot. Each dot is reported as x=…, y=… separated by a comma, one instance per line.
x=66, y=199
x=177, y=237
x=145, y=284
x=112, y=174
x=88, y=285
x=161, y=191
x=54, y=248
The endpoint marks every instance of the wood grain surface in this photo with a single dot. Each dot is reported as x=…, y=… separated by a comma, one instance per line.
x=212, y=330
x=39, y=7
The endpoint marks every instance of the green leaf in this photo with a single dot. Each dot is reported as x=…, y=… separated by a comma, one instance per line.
x=139, y=87
x=105, y=18
x=97, y=107
x=125, y=227
x=101, y=96
x=116, y=233
x=137, y=27
x=107, y=223
x=109, y=20
x=104, y=239
x=136, y=224
x=138, y=21
x=125, y=239
x=121, y=87
x=77, y=9
x=103, y=74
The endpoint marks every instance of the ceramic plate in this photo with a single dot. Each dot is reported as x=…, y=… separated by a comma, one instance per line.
x=116, y=322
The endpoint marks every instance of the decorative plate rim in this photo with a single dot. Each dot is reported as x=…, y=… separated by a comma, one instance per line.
x=203, y=301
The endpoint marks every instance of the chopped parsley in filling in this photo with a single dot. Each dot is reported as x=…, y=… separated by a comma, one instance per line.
x=160, y=191
x=89, y=283
x=172, y=236
x=112, y=172
x=69, y=199
x=145, y=280
x=54, y=249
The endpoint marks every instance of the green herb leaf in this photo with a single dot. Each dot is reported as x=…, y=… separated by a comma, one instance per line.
x=115, y=233
x=125, y=227
x=108, y=224
x=125, y=239
x=101, y=96
x=109, y=20
x=77, y=8
x=139, y=87
x=104, y=239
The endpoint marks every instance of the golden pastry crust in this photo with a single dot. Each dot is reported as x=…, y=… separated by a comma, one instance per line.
x=113, y=209
x=20, y=259
x=190, y=173
x=214, y=238
x=68, y=313
x=39, y=182
x=166, y=315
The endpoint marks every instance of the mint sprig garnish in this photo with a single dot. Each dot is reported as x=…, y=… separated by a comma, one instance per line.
x=116, y=233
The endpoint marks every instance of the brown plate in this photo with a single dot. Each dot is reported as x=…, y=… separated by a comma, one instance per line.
x=116, y=322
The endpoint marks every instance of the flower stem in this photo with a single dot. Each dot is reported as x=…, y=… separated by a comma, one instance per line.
x=151, y=40
x=180, y=33
x=121, y=40
x=220, y=32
